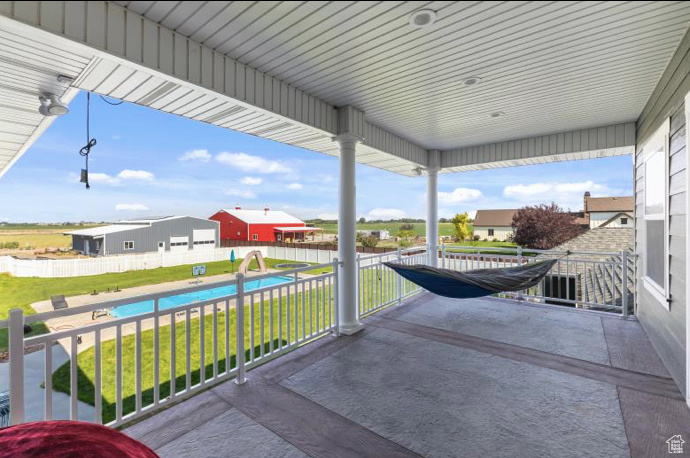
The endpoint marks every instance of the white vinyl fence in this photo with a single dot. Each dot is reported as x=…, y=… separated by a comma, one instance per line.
x=79, y=267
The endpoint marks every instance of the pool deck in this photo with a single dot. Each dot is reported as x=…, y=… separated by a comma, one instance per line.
x=84, y=319
x=440, y=377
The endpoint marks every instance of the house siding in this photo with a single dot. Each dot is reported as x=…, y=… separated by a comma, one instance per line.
x=501, y=233
x=667, y=328
x=596, y=219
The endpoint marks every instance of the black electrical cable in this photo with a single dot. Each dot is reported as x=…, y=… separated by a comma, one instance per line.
x=90, y=142
x=111, y=103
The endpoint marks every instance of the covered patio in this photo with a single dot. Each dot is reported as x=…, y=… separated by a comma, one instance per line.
x=420, y=89
x=440, y=377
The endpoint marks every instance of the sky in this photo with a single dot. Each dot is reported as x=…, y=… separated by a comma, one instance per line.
x=150, y=163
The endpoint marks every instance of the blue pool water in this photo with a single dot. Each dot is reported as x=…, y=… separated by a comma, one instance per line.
x=138, y=308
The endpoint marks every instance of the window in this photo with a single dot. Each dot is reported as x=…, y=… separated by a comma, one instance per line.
x=255, y=237
x=204, y=242
x=655, y=153
x=129, y=245
x=624, y=221
x=491, y=232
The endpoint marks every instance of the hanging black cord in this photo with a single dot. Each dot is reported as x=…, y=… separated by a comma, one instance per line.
x=90, y=142
x=111, y=103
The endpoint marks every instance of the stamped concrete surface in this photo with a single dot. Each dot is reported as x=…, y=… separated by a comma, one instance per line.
x=444, y=401
x=562, y=332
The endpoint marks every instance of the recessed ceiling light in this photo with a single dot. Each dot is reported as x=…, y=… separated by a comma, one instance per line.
x=497, y=114
x=422, y=18
x=471, y=80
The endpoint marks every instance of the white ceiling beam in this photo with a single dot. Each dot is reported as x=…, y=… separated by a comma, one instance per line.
x=613, y=140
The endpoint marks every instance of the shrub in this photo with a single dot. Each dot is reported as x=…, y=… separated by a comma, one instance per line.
x=369, y=241
x=476, y=238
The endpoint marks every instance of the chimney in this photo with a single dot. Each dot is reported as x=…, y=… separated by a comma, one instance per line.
x=266, y=210
x=237, y=206
x=584, y=206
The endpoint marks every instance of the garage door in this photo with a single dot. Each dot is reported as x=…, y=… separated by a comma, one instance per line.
x=204, y=238
x=179, y=243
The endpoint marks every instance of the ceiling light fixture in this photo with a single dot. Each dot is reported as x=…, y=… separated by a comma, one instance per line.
x=471, y=80
x=51, y=105
x=497, y=114
x=422, y=18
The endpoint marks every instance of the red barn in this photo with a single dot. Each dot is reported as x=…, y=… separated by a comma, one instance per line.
x=260, y=225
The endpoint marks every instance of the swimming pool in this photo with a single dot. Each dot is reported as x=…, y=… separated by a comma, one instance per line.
x=139, y=308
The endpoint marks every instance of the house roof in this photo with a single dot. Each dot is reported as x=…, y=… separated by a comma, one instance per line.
x=601, y=239
x=105, y=230
x=264, y=216
x=494, y=217
x=609, y=204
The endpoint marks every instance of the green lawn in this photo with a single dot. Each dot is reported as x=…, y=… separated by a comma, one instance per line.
x=21, y=292
x=376, y=288
x=393, y=227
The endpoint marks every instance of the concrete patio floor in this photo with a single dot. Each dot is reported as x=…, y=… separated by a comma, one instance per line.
x=442, y=378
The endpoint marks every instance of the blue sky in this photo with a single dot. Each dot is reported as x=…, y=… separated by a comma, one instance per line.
x=152, y=163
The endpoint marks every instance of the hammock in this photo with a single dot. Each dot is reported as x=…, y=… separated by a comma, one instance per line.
x=474, y=283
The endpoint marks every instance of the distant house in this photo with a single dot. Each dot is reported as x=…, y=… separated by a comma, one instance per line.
x=381, y=234
x=494, y=224
x=161, y=234
x=261, y=225
x=608, y=211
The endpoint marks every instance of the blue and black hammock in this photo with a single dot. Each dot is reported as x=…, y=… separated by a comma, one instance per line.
x=474, y=283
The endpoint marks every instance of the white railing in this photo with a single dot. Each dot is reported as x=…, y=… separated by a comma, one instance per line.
x=590, y=280
x=378, y=286
x=132, y=365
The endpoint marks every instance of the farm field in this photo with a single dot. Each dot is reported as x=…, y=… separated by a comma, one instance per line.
x=444, y=229
x=36, y=239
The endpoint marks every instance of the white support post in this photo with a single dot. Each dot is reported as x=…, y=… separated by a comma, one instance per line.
x=432, y=207
x=16, y=329
x=239, y=320
x=624, y=281
x=336, y=286
x=347, y=236
x=398, y=278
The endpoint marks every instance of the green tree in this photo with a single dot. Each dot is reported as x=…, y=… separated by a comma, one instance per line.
x=362, y=220
x=460, y=224
x=369, y=241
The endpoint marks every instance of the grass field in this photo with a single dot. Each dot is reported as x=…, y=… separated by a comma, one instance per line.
x=444, y=229
x=21, y=292
x=38, y=240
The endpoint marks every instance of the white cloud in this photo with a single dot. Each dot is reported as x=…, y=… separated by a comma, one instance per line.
x=131, y=207
x=195, y=155
x=240, y=193
x=294, y=186
x=327, y=216
x=251, y=181
x=136, y=175
x=566, y=194
x=386, y=213
x=249, y=163
x=96, y=177
x=459, y=196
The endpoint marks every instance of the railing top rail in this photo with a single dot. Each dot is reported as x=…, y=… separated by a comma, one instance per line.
x=450, y=248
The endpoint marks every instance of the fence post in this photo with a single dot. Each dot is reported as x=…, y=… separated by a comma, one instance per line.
x=519, y=261
x=336, y=293
x=239, y=319
x=443, y=254
x=16, y=329
x=398, y=279
x=624, y=281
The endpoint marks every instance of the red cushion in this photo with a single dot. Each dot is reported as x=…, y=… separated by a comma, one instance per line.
x=63, y=439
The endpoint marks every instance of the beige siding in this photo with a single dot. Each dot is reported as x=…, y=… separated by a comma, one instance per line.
x=596, y=219
x=500, y=233
x=666, y=328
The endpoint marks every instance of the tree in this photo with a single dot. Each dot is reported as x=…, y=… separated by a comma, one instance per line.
x=407, y=227
x=362, y=220
x=544, y=226
x=460, y=223
x=369, y=241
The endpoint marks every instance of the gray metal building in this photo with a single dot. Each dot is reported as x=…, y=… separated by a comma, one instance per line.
x=160, y=234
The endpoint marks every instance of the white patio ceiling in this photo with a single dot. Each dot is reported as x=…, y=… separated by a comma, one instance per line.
x=583, y=70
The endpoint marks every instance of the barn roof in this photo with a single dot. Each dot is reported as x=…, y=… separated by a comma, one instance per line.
x=264, y=216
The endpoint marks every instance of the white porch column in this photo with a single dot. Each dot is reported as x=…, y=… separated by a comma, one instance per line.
x=351, y=131
x=432, y=206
